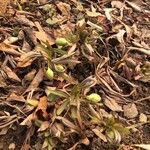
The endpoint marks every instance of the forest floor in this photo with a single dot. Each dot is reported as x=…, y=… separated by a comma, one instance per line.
x=74, y=75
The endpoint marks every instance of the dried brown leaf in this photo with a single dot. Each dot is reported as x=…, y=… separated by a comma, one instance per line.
x=143, y=50
x=27, y=58
x=11, y=75
x=143, y=118
x=15, y=97
x=100, y=134
x=29, y=76
x=112, y=104
x=36, y=81
x=117, y=4
x=119, y=36
x=93, y=14
x=22, y=19
x=108, y=14
x=3, y=6
x=42, y=106
x=130, y=110
x=44, y=126
x=68, y=123
x=28, y=120
x=10, y=49
x=134, y=6
x=42, y=35
x=64, y=8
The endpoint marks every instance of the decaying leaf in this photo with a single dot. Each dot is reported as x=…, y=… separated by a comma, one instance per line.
x=30, y=75
x=27, y=58
x=134, y=6
x=15, y=97
x=28, y=121
x=22, y=19
x=64, y=8
x=93, y=14
x=143, y=118
x=57, y=55
x=44, y=126
x=117, y=4
x=36, y=81
x=143, y=146
x=100, y=134
x=108, y=13
x=42, y=35
x=11, y=75
x=10, y=49
x=119, y=36
x=112, y=104
x=130, y=110
x=68, y=123
x=42, y=106
x=3, y=6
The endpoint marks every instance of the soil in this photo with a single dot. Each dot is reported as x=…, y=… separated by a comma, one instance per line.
x=20, y=135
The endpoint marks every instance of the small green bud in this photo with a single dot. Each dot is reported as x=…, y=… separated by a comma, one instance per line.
x=59, y=68
x=49, y=73
x=94, y=97
x=110, y=135
x=61, y=42
x=33, y=102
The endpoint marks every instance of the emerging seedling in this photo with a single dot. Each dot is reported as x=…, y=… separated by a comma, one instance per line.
x=59, y=68
x=33, y=102
x=61, y=42
x=94, y=97
x=49, y=73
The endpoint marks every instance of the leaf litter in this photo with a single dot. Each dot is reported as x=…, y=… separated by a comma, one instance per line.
x=74, y=72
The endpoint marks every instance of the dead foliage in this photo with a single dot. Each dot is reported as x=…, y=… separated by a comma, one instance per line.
x=74, y=71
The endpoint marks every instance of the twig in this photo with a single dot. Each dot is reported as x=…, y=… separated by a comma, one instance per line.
x=142, y=99
x=7, y=124
x=147, y=52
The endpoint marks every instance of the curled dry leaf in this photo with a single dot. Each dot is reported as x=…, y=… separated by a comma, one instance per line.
x=36, y=81
x=11, y=40
x=28, y=121
x=64, y=8
x=117, y=4
x=22, y=19
x=3, y=6
x=100, y=134
x=108, y=14
x=68, y=123
x=15, y=97
x=143, y=50
x=93, y=14
x=112, y=104
x=42, y=106
x=42, y=35
x=11, y=75
x=95, y=26
x=44, y=126
x=10, y=49
x=130, y=110
x=30, y=75
x=134, y=6
x=85, y=141
x=27, y=58
x=143, y=118
x=119, y=36
x=143, y=146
